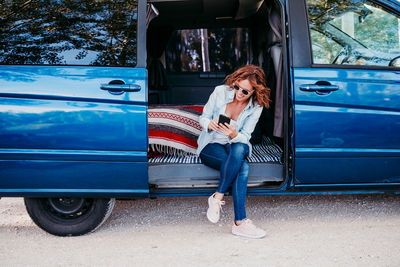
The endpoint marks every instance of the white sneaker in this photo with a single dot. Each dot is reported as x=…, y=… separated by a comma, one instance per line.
x=248, y=229
x=214, y=208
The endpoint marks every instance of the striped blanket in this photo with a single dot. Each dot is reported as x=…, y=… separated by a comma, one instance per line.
x=266, y=151
x=174, y=129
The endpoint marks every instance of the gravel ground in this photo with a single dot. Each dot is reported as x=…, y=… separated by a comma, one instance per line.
x=343, y=230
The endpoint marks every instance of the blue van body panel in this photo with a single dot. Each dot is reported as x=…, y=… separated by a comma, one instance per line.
x=351, y=135
x=72, y=178
x=71, y=124
x=61, y=135
x=59, y=132
x=74, y=82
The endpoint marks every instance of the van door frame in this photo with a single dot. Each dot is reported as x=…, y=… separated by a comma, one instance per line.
x=288, y=135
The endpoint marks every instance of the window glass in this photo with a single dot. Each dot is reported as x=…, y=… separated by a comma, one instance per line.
x=324, y=48
x=68, y=32
x=355, y=32
x=204, y=50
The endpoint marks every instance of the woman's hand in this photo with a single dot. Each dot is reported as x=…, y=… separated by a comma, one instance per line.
x=228, y=130
x=213, y=125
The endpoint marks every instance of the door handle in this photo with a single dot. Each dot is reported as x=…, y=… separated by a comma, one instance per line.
x=120, y=86
x=321, y=87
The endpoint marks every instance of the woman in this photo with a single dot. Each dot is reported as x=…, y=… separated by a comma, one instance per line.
x=225, y=146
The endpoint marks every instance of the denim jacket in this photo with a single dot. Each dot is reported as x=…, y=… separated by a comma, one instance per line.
x=216, y=105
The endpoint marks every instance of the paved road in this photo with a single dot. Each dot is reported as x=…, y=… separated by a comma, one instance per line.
x=344, y=230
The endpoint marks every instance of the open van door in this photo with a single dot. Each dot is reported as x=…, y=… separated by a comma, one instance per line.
x=346, y=93
x=73, y=99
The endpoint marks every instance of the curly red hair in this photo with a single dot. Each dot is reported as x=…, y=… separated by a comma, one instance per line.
x=256, y=76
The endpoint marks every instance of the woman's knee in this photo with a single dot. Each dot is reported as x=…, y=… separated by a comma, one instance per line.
x=213, y=156
x=240, y=150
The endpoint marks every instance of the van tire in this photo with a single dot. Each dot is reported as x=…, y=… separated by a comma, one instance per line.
x=65, y=216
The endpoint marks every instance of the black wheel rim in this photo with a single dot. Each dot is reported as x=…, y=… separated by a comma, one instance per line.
x=66, y=208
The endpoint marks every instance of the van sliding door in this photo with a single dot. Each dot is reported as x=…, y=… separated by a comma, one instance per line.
x=73, y=98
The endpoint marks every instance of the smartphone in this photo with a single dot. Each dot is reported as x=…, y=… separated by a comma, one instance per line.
x=223, y=119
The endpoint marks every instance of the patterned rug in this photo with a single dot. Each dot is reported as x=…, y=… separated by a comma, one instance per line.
x=173, y=133
x=174, y=129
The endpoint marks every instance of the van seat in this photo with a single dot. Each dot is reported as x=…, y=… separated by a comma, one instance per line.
x=266, y=151
x=172, y=171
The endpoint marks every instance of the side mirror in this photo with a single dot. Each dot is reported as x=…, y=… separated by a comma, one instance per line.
x=395, y=62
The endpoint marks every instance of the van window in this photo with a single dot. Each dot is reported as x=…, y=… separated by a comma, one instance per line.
x=205, y=50
x=53, y=32
x=353, y=32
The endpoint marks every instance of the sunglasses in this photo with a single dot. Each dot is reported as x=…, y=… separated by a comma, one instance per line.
x=244, y=91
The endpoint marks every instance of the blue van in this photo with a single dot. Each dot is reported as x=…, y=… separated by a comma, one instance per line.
x=85, y=87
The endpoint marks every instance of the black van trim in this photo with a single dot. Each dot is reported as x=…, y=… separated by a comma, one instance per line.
x=299, y=34
x=141, y=35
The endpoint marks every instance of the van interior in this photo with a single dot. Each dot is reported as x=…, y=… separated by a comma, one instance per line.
x=192, y=46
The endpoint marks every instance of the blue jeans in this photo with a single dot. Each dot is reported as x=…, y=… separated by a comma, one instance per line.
x=230, y=160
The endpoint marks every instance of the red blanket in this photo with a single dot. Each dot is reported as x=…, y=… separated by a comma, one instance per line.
x=174, y=129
